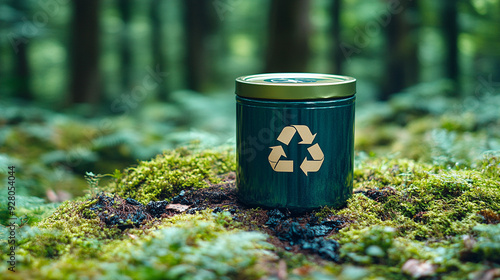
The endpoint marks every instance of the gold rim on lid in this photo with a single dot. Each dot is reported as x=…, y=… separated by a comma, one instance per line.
x=295, y=86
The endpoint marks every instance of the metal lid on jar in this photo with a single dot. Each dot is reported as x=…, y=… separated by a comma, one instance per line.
x=295, y=86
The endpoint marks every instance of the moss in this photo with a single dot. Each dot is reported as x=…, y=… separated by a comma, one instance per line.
x=425, y=201
x=194, y=248
x=371, y=246
x=70, y=220
x=183, y=246
x=376, y=135
x=489, y=165
x=74, y=233
x=171, y=172
x=47, y=244
x=484, y=248
x=431, y=203
x=71, y=229
x=384, y=254
x=403, y=209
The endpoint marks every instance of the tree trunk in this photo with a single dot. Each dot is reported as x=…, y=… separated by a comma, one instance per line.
x=159, y=57
x=85, y=77
x=22, y=73
x=288, y=38
x=450, y=36
x=125, y=49
x=336, y=52
x=198, y=25
x=402, y=66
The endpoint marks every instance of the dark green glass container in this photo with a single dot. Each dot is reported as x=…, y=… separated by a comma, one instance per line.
x=295, y=140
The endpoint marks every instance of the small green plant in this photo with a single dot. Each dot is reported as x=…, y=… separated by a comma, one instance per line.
x=93, y=182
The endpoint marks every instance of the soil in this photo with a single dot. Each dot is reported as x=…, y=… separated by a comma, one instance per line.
x=489, y=216
x=379, y=195
x=119, y=212
x=294, y=232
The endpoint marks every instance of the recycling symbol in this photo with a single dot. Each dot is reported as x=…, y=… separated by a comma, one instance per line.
x=281, y=165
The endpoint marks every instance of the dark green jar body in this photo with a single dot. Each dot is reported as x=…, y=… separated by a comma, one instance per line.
x=295, y=154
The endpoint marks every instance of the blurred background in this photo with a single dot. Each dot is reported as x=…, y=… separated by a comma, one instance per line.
x=95, y=85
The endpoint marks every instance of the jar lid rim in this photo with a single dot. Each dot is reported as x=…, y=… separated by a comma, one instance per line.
x=295, y=86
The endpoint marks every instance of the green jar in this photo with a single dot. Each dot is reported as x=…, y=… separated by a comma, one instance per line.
x=295, y=140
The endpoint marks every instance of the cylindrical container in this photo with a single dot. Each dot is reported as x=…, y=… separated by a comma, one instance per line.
x=295, y=140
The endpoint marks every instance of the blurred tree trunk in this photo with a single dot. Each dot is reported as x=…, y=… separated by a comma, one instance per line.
x=85, y=77
x=198, y=25
x=125, y=9
x=22, y=71
x=159, y=57
x=449, y=25
x=402, y=65
x=336, y=52
x=288, y=36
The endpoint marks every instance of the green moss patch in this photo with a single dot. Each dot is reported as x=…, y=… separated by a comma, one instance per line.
x=169, y=173
x=421, y=201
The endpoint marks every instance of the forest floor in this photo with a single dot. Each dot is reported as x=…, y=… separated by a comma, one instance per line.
x=293, y=232
x=426, y=202
x=178, y=216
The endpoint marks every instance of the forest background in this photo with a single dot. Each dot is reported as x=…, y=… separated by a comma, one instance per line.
x=94, y=86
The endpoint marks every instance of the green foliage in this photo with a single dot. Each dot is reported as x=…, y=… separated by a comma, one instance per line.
x=371, y=245
x=486, y=247
x=44, y=244
x=426, y=124
x=29, y=209
x=53, y=151
x=171, y=172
